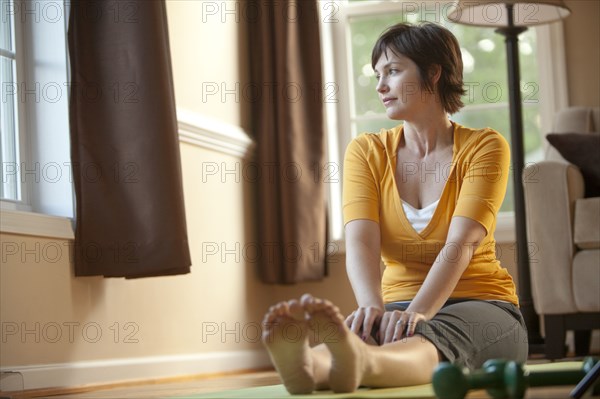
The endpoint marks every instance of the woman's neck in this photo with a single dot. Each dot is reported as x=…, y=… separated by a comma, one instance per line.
x=429, y=135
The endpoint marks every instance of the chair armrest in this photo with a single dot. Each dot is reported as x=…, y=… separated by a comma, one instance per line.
x=551, y=189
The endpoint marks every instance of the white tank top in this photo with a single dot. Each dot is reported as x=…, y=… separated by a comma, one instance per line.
x=419, y=218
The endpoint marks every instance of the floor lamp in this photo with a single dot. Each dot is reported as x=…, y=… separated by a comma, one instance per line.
x=511, y=18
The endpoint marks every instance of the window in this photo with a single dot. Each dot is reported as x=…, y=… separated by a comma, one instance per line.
x=10, y=156
x=350, y=29
x=36, y=168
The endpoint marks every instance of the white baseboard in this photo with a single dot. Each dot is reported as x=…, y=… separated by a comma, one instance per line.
x=144, y=368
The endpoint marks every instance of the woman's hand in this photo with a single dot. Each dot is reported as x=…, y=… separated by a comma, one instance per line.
x=398, y=324
x=362, y=320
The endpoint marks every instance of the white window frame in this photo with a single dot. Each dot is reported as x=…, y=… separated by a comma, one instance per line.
x=336, y=55
x=47, y=200
x=23, y=190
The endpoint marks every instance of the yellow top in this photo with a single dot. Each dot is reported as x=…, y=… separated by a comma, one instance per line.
x=475, y=184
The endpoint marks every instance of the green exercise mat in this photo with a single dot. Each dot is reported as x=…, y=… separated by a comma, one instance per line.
x=414, y=392
x=278, y=391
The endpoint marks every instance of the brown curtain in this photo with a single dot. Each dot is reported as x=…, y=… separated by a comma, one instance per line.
x=130, y=218
x=287, y=124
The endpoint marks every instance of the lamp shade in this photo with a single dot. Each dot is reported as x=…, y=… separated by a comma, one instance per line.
x=491, y=13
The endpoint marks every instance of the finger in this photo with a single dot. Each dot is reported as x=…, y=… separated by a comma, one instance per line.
x=357, y=322
x=391, y=334
x=400, y=326
x=385, y=319
x=391, y=327
x=370, y=317
x=410, y=328
x=412, y=324
x=349, y=320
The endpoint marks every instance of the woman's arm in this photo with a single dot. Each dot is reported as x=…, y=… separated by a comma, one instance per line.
x=464, y=236
x=363, y=258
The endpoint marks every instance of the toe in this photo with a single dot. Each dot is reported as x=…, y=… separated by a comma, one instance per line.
x=270, y=318
x=306, y=299
x=296, y=310
x=275, y=312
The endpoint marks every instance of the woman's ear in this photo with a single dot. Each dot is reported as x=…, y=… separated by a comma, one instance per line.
x=435, y=72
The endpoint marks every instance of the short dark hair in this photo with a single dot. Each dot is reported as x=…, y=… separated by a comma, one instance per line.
x=428, y=44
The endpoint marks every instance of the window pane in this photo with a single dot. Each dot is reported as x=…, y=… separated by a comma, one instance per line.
x=484, y=65
x=9, y=189
x=6, y=24
x=485, y=76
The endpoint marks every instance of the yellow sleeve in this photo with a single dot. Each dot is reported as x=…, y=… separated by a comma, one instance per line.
x=360, y=188
x=484, y=182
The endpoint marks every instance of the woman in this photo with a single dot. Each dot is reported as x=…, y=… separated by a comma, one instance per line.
x=423, y=197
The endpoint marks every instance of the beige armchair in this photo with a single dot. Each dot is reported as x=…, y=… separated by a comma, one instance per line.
x=563, y=230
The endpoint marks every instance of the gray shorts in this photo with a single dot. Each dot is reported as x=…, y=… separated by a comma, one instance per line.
x=469, y=332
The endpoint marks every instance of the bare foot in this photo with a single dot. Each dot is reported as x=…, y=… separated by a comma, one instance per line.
x=348, y=364
x=285, y=330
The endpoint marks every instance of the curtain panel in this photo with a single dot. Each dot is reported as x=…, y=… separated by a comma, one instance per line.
x=284, y=94
x=130, y=215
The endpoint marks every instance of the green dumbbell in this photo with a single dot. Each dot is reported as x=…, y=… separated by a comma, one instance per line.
x=501, y=379
x=453, y=382
x=517, y=379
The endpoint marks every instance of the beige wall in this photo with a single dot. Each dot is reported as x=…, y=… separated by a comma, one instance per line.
x=166, y=314
x=155, y=316
x=205, y=48
x=582, y=43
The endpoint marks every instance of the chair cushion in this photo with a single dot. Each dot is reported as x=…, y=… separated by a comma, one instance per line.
x=576, y=119
x=582, y=150
x=586, y=227
x=586, y=280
